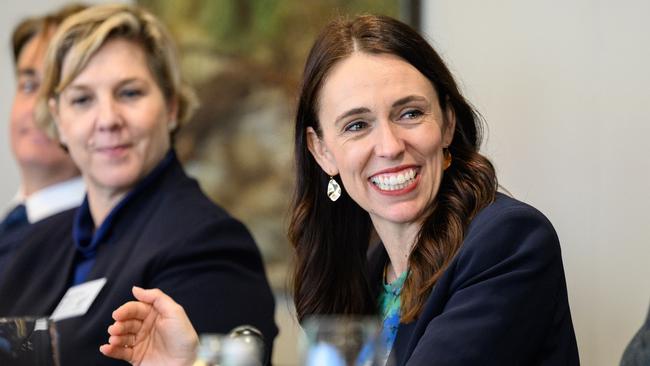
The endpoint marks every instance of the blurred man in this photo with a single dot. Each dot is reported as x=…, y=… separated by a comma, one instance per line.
x=50, y=182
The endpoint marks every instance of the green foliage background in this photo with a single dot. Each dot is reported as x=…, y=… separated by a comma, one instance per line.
x=270, y=33
x=245, y=58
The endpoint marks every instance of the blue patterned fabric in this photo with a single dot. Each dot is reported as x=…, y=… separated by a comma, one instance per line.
x=389, y=302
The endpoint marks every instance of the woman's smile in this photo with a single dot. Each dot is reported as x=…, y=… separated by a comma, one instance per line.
x=396, y=181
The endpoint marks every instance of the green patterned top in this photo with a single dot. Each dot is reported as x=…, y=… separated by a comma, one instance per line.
x=389, y=302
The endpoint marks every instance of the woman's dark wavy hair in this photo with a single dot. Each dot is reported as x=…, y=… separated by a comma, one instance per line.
x=331, y=239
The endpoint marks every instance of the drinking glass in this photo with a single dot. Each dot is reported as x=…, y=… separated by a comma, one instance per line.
x=243, y=346
x=342, y=341
x=28, y=341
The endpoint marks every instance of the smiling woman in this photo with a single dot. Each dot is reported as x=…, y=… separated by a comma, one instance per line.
x=463, y=275
x=113, y=95
x=384, y=137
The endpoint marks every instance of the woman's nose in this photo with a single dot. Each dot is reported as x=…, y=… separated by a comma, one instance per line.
x=108, y=116
x=389, y=142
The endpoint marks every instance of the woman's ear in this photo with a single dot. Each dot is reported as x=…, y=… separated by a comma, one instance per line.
x=319, y=151
x=54, y=114
x=172, y=121
x=449, y=127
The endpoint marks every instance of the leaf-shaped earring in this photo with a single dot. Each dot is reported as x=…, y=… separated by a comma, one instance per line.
x=333, y=189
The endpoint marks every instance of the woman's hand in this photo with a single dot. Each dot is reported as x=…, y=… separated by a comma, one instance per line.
x=151, y=331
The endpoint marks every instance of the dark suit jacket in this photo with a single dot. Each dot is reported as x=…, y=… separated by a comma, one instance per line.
x=502, y=300
x=9, y=242
x=170, y=236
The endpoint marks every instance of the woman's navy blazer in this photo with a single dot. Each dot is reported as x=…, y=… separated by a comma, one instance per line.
x=502, y=300
x=170, y=236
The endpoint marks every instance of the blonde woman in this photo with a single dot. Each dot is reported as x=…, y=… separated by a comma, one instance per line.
x=113, y=95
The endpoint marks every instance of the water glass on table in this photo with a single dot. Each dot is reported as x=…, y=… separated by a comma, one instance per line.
x=343, y=341
x=243, y=346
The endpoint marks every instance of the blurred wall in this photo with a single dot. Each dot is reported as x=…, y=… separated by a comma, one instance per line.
x=565, y=90
x=12, y=13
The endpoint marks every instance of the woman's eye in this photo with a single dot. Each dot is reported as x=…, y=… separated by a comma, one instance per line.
x=80, y=101
x=130, y=93
x=355, y=126
x=412, y=114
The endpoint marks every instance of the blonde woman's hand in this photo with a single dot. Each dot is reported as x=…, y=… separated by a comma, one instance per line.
x=152, y=331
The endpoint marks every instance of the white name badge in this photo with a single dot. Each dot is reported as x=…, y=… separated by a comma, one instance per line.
x=77, y=300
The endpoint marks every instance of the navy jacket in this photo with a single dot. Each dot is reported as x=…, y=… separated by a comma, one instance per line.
x=9, y=242
x=172, y=237
x=502, y=300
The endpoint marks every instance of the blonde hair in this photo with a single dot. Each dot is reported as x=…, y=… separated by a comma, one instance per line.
x=81, y=35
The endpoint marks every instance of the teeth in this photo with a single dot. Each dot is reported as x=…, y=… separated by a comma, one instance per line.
x=394, y=182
